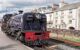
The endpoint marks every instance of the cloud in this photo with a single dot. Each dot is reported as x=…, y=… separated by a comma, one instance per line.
x=6, y=4
x=37, y=2
x=29, y=3
x=24, y=3
x=72, y=1
x=21, y=3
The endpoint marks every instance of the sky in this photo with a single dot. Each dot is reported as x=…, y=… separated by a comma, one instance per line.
x=22, y=3
x=14, y=4
x=11, y=5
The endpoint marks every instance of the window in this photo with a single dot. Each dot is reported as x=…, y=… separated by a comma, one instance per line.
x=56, y=17
x=62, y=16
x=56, y=26
x=70, y=21
x=70, y=11
x=50, y=15
x=56, y=13
x=62, y=21
x=62, y=13
x=55, y=21
x=69, y=16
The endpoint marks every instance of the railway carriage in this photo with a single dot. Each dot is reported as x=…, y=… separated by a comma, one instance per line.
x=71, y=37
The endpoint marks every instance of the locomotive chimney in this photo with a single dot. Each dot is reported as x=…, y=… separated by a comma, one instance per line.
x=20, y=11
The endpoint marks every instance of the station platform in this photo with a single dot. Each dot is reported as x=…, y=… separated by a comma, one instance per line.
x=8, y=44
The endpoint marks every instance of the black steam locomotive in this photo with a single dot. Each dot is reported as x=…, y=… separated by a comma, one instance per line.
x=28, y=27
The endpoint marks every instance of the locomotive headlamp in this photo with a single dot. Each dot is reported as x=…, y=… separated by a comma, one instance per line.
x=38, y=16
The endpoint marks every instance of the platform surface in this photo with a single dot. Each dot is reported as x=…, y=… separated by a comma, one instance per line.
x=8, y=44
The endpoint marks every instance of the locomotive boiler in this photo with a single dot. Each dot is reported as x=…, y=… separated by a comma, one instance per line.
x=28, y=27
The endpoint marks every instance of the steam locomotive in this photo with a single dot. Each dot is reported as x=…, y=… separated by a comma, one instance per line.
x=27, y=27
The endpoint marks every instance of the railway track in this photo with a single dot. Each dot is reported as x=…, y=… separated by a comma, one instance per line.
x=56, y=45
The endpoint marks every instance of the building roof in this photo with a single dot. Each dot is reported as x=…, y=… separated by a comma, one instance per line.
x=69, y=6
x=48, y=12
